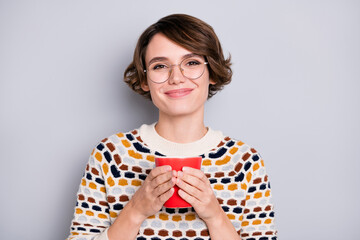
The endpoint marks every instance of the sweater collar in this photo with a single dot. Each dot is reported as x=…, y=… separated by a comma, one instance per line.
x=154, y=141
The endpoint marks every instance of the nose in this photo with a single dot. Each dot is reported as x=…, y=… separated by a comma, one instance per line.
x=176, y=75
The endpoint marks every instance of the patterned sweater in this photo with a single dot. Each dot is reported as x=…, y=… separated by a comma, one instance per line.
x=119, y=164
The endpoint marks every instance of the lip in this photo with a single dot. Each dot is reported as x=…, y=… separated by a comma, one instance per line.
x=177, y=93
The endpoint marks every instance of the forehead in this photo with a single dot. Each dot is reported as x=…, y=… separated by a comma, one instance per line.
x=161, y=46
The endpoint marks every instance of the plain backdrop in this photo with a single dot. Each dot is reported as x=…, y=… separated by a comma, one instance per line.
x=294, y=97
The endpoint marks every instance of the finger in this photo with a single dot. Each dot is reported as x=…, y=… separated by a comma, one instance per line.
x=191, y=190
x=160, y=179
x=192, y=180
x=187, y=197
x=165, y=196
x=162, y=188
x=196, y=173
x=157, y=171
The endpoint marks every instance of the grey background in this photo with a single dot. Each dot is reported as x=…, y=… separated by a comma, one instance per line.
x=294, y=97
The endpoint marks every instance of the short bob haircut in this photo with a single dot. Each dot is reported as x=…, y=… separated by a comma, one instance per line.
x=190, y=33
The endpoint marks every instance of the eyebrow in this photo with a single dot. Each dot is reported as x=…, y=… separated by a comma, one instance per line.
x=159, y=59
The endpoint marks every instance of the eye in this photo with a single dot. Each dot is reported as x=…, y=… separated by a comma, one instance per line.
x=159, y=67
x=192, y=63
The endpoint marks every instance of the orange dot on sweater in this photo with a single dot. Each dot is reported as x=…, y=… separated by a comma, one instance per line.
x=123, y=182
x=133, y=154
x=89, y=213
x=256, y=167
x=110, y=181
x=267, y=221
x=125, y=143
x=103, y=216
x=92, y=185
x=233, y=187
x=206, y=162
x=256, y=222
x=244, y=223
x=248, y=176
x=219, y=187
x=233, y=150
x=136, y=182
x=190, y=217
x=176, y=218
x=163, y=216
x=267, y=193
x=223, y=161
x=98, y=156
x=113, y=214
x=150, y=158
x=258, y=195
x=231, y=216
x=105, y=168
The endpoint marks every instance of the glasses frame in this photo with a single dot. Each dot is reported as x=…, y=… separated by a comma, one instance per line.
x=181, y=70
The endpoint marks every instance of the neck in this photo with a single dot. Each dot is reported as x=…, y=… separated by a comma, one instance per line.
x=181, y=129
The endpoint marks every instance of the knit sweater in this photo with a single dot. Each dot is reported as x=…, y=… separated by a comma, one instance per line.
x=119, y=164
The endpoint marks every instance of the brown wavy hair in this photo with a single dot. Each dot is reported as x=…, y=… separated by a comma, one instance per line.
x=190, y=33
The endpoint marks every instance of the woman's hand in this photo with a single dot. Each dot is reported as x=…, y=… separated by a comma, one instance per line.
x=195, y=188
x=154, y=192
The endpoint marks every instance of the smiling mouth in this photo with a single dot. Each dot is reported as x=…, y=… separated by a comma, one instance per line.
x=176, y=93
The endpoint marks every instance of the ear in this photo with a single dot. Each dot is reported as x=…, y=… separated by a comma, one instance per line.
x=145, y=86
x=212, y=82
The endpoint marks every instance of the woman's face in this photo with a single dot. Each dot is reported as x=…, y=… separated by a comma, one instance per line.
x=178, y=96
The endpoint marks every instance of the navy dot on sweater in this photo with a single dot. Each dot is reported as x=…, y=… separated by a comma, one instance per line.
x=230, y=143
x=225, y=208
x=247, y=166
x=107, y=156
x=255, y=157
x=225, y=180
x=130, y=137
x=88, y=176
x=129, y=175
x=85, y=205
x=100, y=147
x=239, y=177
x=118, y=206
x=115, y=171
x=237, y=210
x=96, y=208
x=252, y=189
x=100, y=181
x=263, y=186
x=141, y=148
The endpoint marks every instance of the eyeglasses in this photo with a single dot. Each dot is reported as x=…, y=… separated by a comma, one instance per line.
x=191, y=68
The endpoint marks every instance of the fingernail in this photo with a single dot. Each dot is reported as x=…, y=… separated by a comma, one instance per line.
x=185, y=169
x=168, y=168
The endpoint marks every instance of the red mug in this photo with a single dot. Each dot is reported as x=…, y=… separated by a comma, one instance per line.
x=177, y=163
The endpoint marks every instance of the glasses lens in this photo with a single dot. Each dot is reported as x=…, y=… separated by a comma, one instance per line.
x=159, y=72
x=192, y=68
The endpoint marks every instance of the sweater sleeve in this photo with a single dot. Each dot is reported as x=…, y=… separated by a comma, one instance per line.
x=258, y=214
x=91, y=216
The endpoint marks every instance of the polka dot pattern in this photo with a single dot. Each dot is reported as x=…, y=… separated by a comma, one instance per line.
x=119, y=164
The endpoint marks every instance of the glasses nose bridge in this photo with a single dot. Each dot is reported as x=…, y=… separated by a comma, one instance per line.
x=172, y=67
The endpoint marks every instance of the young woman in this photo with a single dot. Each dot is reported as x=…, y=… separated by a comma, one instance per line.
x=178, y=64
